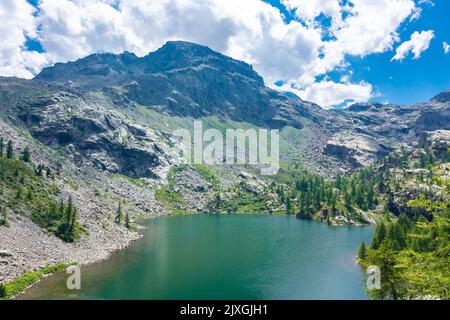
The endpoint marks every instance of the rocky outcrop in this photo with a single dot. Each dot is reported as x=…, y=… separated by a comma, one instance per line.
x=442, y=97
x=357, y=150
x=91, y=134
x=433, y=119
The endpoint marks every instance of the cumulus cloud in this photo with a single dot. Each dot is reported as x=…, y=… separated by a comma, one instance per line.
x=416, y=14
x=446, y=47
x=308, y=10
x=418, y=43
x=16, y=24
x=369, y=26
x=329, y=93
x=295, y=52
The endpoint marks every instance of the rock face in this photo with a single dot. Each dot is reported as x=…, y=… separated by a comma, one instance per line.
x=442, y=97
x=91, y=134
x=356, y=150
x=385, y=126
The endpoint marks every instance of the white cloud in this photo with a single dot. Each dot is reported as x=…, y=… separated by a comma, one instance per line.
x=418, y=43
x=250, y=30
x=416, y=14
x=329, y=93
x=308, y=10
x=446, y=47
x=428, y=2
x=370, y=28
x=16, y=23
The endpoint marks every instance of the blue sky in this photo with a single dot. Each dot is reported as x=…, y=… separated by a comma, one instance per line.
x=412, y=80
x=331, y=52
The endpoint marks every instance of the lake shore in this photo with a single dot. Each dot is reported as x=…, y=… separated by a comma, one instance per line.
x=29, y=249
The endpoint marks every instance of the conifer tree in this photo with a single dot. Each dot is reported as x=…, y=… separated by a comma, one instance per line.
x=4, y=219
x=380, y=235
x=61, y=207
x=2, y=290
x=48, y=174
x=288, y=206
x=26, y=155
x=39, y=170
x=10, y=150
x=348, y=201
x=73, y=221
x=119, y=214
x=68, y=228
x=30, y=195
x=370, y=196
x=19, y=193
x=127, y=221
x=1, y=147
x=391, y=285
x=69, y=211
x=362, y=251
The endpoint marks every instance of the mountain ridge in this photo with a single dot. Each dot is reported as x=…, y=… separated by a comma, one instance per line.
x=183, y=79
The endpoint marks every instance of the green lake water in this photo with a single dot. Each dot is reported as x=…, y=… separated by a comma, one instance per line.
x=224, y=257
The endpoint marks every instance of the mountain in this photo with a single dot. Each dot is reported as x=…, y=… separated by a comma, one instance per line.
x=103, y=126
x=183, y=79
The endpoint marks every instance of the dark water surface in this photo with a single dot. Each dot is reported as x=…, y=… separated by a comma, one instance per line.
x=225, y=257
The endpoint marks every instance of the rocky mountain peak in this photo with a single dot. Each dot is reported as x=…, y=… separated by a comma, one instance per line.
x=182, y=54
x=174, y=55
x=442, y=97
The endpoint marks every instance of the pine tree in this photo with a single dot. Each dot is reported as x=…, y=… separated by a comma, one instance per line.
x=127, y=221
x=69, y=211
x=4, y=220
x=348, y=201
x=19, y=193
x=30, y=195
x=68, y=230
x=359, y=198
x=26, y=155
x=73, y=222
x=217, y=201
x=396, y=236
x=405, y=222
x=39, y=170
x=61, y=207
x=10, y=150
x=362, y=253
x=49, y=174
x=380, y=235
x=119, y=214
x=2, y=290
x=1, y=147
x=391, y=284
x=370, y=196
x=288, y=206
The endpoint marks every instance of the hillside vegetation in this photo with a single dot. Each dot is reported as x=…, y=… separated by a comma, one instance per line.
x=27, y=189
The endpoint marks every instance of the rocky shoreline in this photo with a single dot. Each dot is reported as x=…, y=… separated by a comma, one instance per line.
x=30, y=249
